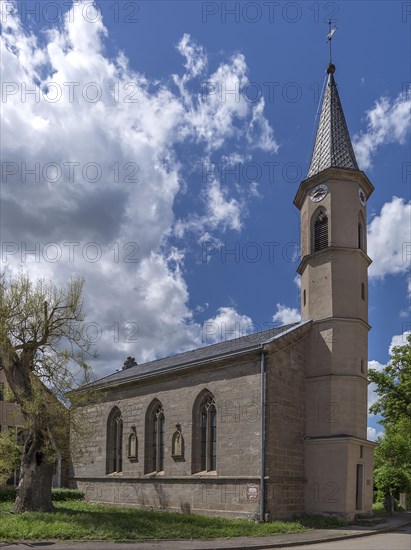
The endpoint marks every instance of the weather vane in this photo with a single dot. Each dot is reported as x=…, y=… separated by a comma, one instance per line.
x=331, y=31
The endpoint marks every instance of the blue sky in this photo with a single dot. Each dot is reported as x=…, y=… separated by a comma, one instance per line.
x=198, y=143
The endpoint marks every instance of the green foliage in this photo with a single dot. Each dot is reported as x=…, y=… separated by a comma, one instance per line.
x=378, y=507
x=65, y=495
x=43, y=350
x=394, y=386
x=322, y=522
x=392, y=474
x=10, y=455
x=392, y=479
x=8, y=494
x=393, y=455
x=395, y=447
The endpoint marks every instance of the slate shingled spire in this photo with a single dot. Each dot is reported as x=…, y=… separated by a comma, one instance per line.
x=332, y=143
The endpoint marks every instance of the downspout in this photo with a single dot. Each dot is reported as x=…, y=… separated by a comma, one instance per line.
x=262, y=435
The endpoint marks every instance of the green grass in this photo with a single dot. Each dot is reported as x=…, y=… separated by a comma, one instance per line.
x=75, y=520
x=323, y=522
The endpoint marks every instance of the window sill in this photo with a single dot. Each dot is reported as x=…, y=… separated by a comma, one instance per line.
x=155, y=474
x=206, y=473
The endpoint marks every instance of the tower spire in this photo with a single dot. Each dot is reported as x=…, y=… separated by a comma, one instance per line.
x=332, y=142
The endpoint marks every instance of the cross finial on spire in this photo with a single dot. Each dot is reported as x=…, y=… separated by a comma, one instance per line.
x=331, y=31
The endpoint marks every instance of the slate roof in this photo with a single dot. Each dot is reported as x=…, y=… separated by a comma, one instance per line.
x=332, y=143
x=199, y=355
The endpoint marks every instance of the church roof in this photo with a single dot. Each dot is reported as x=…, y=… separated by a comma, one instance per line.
x=332, y=143
x=249, y=342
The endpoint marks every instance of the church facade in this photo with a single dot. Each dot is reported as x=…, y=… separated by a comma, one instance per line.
x=269, y=425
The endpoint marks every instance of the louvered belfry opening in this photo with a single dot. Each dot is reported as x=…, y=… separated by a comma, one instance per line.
x=321, y=231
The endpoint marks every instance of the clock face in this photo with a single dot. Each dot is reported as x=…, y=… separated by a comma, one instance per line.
x=319, y=193
x=362, y=197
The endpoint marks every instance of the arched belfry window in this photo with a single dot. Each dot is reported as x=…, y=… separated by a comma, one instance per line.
x=204, y=433
x=114, y=452
x=155, y=426
x=320, y=230
x=361, y=232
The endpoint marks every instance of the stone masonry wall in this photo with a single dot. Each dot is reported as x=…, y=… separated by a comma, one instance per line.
x=236, y=388
x=285, y=424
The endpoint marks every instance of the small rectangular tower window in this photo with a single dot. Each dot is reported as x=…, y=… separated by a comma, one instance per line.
x=304, y=297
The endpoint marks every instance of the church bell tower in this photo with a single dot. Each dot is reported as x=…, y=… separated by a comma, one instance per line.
x=334, y=295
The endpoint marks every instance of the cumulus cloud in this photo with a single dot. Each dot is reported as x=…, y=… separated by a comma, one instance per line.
x=389, y=239
x=399, y=340
x=297, y=281
x=285, y=315
x=226, y=325
x=101, y=140
x=373, y=434
x=389, y=121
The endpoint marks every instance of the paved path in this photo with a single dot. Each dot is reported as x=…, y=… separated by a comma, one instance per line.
x=315, y=538
x=396, y=540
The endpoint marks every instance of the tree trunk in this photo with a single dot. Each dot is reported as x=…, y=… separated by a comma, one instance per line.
x=36, y=476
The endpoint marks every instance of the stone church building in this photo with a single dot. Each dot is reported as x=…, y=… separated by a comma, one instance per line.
x=272, y=424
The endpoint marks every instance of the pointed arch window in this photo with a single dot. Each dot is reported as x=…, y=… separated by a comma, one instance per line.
x=321, y=230
x=204, y=452
x=208, y=452
x=155, y=428
x=114, y=451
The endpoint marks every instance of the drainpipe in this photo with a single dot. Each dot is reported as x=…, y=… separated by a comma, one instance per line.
x=262, y=436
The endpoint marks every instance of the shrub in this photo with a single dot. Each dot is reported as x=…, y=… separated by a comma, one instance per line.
x=67, y=494
x=7, y=494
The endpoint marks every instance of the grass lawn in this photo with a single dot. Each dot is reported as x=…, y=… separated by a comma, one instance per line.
x=87, y=521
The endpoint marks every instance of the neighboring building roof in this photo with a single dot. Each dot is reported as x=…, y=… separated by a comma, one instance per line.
x=215, y=351
x=332, y=143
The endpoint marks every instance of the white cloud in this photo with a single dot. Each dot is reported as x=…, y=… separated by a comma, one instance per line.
x=222, y=211
x=254, y=190
x=196, y=59
x=297, y=281
x=286, y=315
x=387, y=122
x=372, y=434
x=399, y=340
x=136, y=291
x=389, y=239
x=260, y=134
x=226, y=325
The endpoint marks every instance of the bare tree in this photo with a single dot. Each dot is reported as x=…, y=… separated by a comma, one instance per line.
x=43, y=347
